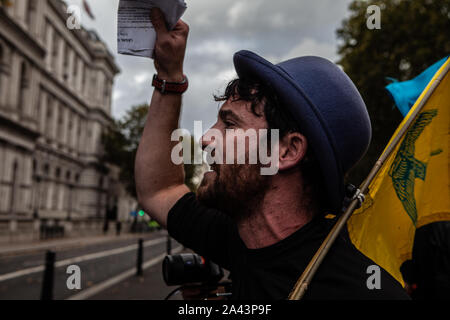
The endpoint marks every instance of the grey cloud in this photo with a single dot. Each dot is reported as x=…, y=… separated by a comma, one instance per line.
x=275, y=29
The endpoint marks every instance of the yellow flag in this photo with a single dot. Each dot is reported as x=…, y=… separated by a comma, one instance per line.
x=412, y=188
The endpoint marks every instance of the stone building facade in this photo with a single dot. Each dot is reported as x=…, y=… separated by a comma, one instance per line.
x=55, y=100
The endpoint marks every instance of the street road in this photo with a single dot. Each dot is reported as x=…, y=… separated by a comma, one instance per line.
x=102, y=265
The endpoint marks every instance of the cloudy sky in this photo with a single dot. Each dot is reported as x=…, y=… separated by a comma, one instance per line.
x=277, y=30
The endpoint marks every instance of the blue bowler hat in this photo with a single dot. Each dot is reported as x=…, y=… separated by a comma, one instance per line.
x=326, y=105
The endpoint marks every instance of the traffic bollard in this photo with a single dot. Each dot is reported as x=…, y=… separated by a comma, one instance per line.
x=49, y=274
x=169, y=245
x=140, y=257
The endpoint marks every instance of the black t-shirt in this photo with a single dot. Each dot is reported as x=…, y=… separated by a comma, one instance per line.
x=271, y=272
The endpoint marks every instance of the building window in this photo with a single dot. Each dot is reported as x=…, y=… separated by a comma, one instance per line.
x=45, y=188
x=27, y=12
x=12, y=205
x=66, y=62
x=55, y=196
x=45, y=31
x=34, y=204
x=49, y=118
x=55, y=51
x=71, y=116
x=1, y=68
x=46, y=169
x=106, y=89
x=61, y=124
x=75, y=71
x=71, y=131
x=84, y=79
x=79, y=132
x=57, y=189
x=23, y=85
x=93, y=84
x=37, y=114
x=106, y=92
x=30, y=11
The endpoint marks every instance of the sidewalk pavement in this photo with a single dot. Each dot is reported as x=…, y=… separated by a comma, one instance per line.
x=150, y=286
x=9, y=249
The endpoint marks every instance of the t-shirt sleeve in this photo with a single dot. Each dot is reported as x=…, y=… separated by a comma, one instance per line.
x=206, y=231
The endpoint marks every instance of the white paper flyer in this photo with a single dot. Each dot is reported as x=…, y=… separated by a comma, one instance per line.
x=136, y=35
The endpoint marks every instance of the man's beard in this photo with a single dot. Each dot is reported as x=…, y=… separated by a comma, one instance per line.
x=237, y=190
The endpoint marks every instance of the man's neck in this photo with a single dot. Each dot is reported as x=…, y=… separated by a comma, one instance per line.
x=280, y=214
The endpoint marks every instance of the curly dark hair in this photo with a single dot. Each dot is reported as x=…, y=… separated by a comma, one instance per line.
x=277, y=117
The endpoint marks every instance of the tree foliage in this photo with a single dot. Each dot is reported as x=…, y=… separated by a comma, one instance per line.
x=413, y=35
x=121, y=142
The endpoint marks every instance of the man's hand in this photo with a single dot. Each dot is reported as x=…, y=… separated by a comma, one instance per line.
x=170, y=47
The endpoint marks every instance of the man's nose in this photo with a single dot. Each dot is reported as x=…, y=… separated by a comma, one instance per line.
x=207, y=139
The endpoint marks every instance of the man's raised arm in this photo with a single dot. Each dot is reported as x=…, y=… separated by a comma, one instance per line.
x=159, y=182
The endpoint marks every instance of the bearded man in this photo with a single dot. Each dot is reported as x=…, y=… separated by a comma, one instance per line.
x=263, y=228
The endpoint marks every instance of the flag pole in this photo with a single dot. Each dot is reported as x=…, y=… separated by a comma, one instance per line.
x=303, y=282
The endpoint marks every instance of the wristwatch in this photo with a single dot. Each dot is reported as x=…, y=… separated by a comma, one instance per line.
x=170, y=87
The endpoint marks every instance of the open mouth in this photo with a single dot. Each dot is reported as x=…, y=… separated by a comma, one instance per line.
x=213, y=168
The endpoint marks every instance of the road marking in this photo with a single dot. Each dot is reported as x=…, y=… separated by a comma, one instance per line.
x=87, y=257
x=87, y=293
x=107, y=253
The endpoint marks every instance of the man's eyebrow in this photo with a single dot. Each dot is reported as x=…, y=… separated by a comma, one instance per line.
x=223, y=114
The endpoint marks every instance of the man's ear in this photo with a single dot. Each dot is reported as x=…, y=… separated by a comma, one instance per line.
x=293, y=147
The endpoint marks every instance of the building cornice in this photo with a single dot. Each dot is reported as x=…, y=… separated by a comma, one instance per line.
x=17, y=32
x=32, y=134
x=62, y=155
x=15, y=134
x=58, y=6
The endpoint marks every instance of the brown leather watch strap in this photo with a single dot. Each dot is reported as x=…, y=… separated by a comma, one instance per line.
x=170, y=87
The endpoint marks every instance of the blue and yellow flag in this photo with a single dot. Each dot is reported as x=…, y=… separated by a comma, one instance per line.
x=405, y=93
x=412, y=188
